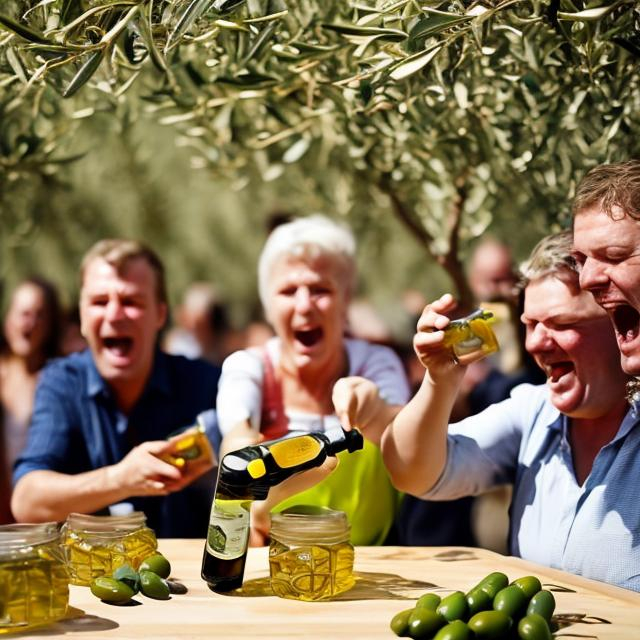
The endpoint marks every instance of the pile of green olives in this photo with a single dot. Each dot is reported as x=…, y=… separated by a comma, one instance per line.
x=125, y=582
x=493, y=609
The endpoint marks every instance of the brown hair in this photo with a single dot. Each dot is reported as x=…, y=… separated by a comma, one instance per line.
x=118, y=252
x=611, y=185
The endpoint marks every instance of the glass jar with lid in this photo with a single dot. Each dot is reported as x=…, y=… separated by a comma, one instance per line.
x=310, y=554
x=96, y=545
x=34, y=588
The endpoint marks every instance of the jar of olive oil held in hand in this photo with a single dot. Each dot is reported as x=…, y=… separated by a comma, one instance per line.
x=97, y=545
x=34, y=587
x=310, y=555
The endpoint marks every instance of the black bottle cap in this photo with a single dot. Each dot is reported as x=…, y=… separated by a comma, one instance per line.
x=354, y=439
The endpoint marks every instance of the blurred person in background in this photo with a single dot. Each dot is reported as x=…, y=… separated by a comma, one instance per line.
x=103, y=418
x=202, y=325
x=310, y=377
x=31, y=334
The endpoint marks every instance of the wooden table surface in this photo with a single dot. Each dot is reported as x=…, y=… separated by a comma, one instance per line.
x=389, y=579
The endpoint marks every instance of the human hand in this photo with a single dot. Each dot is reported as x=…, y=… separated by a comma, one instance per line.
x=428, y=341
x=261, y=509
x=142, y=472
x=358, y=404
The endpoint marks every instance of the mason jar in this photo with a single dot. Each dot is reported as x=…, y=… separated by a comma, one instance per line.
x=96, y=545
x=310, y=554
x=34, y=587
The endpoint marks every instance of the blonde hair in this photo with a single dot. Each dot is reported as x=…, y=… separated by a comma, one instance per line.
x=550, y=257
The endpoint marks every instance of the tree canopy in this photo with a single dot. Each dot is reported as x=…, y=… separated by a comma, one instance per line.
x=449, y=115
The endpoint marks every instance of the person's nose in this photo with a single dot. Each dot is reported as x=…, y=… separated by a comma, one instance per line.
x=592, y=275
x=303, y=300
x=114, y=310
x=538, y=340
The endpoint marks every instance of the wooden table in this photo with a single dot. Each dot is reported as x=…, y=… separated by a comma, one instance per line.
x=389, y=579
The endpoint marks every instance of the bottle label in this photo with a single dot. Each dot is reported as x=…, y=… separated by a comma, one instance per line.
x=228, y=532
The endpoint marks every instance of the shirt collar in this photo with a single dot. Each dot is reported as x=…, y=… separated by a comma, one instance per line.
x=158, y=381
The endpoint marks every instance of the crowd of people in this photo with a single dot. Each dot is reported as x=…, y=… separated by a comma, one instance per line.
x=552, y=418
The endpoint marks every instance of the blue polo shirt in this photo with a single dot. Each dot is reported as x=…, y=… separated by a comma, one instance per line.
x=591, y=529
x=77, y=427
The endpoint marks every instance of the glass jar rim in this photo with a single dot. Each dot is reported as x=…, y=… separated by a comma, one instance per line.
x=307, y=524
x=106, y=524
x=19, y=535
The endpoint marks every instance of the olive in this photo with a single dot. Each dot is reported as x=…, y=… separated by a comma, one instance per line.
x=111, y=590
x=423, y=623
x=511, y=600
x=127, y=574
x=529, y=584
x=428, y=601
x=490, y=624
x=454, y=607
x=534, y=627
x=400, y=622
x=153, y=586
x=542, y=603
x=478, y=600
x=456, y=630
x=156, y=563
x=493, y=583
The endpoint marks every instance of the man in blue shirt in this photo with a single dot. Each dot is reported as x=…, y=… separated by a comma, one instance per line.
x=101, y=417
x=570, y=448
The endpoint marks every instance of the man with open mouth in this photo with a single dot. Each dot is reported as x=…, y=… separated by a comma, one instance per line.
x=570, y=447
x=606, y=230
x=98, y=439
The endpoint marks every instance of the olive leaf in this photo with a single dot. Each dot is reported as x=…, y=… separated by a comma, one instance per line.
x=22, y=30
x=85, y=72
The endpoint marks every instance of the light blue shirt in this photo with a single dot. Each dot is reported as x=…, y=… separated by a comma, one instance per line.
x=592, y=530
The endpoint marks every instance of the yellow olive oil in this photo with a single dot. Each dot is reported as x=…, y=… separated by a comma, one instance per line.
x=312, y=572
x=92, y=553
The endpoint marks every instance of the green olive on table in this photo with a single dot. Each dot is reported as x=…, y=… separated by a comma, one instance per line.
x=400, y=623
x=478, y=600
x=490, y=624
x=512, y=600
x=456, y=630
x=153, y=586
x=428, y=601
x=530, y=585
x=111, y=590
x=454, y=607
x=534, y=627
x=156, y=563
x=423, y=623
x=543, y=603
x=493, y=583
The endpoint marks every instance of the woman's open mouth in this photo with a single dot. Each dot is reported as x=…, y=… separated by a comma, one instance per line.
x=557, y=370
x=309, y=337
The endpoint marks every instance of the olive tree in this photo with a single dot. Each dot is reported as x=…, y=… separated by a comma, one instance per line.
x=449, y=115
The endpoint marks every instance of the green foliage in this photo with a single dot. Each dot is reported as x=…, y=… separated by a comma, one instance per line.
x=451, y=115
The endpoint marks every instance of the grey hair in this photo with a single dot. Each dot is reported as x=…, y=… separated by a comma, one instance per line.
x=550, y=257
x=308, y=238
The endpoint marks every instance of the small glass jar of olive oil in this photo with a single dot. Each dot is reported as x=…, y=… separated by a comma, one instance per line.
x=34, y=587
x=97, y=545
x=310, y=555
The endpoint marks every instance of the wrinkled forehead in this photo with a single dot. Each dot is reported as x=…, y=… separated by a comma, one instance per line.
x=310, y=265
x=133, y=275
x=559, y=296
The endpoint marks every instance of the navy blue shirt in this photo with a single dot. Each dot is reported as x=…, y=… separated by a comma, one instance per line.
x=77, y=427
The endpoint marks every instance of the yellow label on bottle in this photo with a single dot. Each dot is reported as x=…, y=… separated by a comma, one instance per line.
x=294, y=451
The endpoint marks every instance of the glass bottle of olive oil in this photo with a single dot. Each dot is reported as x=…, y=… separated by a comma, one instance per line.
x=246, y=475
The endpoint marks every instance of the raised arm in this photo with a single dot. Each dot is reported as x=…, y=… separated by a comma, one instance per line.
x=414, y=446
